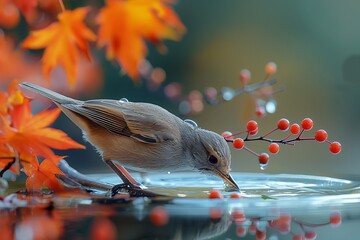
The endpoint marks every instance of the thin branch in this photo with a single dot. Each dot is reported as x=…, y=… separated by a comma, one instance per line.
x=281, y=141
x=8, y=165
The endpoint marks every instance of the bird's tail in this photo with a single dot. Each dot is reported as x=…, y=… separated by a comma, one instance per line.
x=54, y=96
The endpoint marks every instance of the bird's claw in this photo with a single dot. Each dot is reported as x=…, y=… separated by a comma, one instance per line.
x=132, y=190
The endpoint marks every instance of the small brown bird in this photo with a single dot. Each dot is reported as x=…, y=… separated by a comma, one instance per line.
x=144, y=137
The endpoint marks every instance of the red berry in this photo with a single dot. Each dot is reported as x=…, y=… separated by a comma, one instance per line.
x=215, y=194
x=101, y=228
x=321, y=135
x=335, y=219
x=298, y=237
x=274, y=148
x=227, y=135
x=238, y=143
x=240, y=231
x=284, y=228
x=310, y=235
x=270, y=68
x=238, y=216
x=215, y=213
x=283, y=124
x=252, y=228
x=254, y=132
x=283, y=223
x=260, y=235
x=245, y=76
x=307, y=124
x=251, y=125
x=335, y=147
x=264, y=158
x=295, y=128
x=235, y=195
x=159, y=216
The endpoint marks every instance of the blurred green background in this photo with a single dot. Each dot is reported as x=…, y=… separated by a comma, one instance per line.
x=316, y=45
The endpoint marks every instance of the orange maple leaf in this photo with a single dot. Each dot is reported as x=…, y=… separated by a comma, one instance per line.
x=125, y=25
x=7, y=156
x=30, y=134
x=42, y=175
x=63, y=40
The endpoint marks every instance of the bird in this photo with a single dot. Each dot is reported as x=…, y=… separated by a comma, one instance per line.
x=144, y=137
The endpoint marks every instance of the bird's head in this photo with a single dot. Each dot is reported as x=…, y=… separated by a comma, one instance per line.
x=212, y=155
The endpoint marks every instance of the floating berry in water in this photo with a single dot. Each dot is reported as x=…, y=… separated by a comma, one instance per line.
x=215, y=194
x=321, y=135
x=295, y=128
x=335, y=147
x=251, y=126
x=283, y=124
x=235, y=195
x=307, y=124
x=335, y=219
x=159, y=216
x=245, y=76
x=270, y=68
x=227, y=135
x=238, y=143
x=274, y=148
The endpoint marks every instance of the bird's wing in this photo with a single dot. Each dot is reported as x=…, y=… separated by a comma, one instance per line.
x=142, y=122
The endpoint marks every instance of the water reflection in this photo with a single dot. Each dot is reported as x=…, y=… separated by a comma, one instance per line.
x=294, y=215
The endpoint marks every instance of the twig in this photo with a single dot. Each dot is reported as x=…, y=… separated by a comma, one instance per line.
x=8, y=165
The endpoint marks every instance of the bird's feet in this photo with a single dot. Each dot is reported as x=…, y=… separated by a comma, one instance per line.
x=132, y=190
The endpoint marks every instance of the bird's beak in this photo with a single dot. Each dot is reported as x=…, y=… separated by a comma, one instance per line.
x=228, y=179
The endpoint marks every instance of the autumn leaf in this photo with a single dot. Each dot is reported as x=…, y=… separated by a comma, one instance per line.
x=125, y=25
x=30, y=134
x=63, y=41
x=42, y=175
x=7, y=158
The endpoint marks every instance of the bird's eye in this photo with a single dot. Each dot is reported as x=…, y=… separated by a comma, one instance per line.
x=213, y=159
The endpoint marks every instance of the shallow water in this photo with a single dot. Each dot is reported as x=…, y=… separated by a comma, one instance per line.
x=270, y=207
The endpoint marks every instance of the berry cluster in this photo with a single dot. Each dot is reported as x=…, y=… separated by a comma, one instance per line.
x=194, y=101
x=295, y=135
